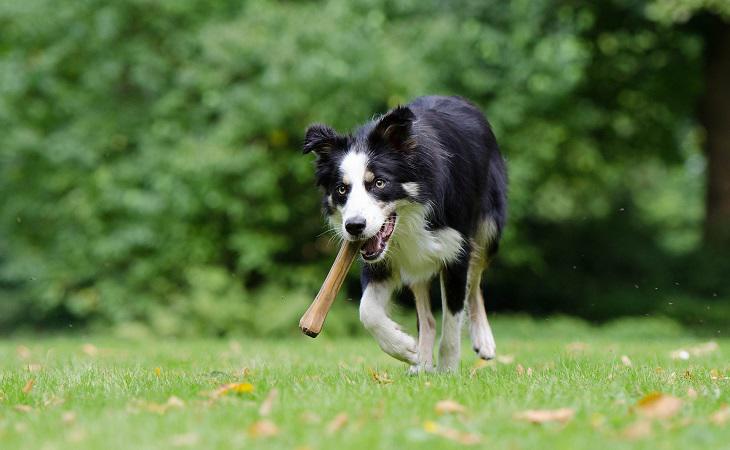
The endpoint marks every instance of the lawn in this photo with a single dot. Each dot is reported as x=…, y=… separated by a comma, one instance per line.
x=80, y=392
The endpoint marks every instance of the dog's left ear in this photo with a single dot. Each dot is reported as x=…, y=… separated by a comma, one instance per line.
x=395, y=129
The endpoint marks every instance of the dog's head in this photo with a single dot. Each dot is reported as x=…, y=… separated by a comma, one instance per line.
x=365, y=177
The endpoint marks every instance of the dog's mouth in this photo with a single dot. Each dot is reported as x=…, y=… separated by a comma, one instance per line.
x=376, y=245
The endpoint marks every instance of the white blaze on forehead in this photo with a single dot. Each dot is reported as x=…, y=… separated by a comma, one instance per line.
x=354, y=169
x=353, y=166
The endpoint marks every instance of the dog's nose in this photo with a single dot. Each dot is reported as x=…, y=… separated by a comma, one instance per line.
x=355, y=225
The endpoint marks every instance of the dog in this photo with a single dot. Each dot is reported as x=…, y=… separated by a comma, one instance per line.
x=424, y=188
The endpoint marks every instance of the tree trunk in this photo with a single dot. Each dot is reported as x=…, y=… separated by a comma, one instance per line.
x=716, y=120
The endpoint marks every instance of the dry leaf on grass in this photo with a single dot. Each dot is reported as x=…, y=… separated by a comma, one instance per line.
x=337, y=423
x=658, y=406
x=23, y=352
x=505, y=359
x=310, y=417
x=185, y=440
x=262, y=429
x=159, y=408
x=380, y=377
x=449, y=407
x=34, y=368
x=691, y=393
x=452, y=434
x=28, y=386
x=576, y=347
x=625, y=360
x=233, y=388
x=90, y=349
x=721, y=416
x=478, y=365
x=23, y=408
x=268, y=404
x=697, y=350
x=68, y=417
x=562, y=415
x=637, y=430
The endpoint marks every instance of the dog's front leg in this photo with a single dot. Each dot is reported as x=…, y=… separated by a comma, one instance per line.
x=389, y=335
x=426, y=327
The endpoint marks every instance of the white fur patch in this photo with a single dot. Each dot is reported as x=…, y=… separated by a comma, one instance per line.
x=411, y=189
x=417, y=253
x=359, y=202
x=390, y=337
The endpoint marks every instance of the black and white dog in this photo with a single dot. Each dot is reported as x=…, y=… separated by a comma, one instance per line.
x=424, y=186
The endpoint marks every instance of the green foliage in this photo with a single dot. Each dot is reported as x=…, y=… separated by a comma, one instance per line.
x=149, y=163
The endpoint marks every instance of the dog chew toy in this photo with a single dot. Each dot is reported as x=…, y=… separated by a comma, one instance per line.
x=312, y=320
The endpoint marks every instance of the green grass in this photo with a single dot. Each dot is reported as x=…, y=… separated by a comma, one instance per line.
x=108, y=396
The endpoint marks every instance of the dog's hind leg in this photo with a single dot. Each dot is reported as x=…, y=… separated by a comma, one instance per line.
x=386, y=332
x=426, y=327
x=453, y=293
x=482, y=338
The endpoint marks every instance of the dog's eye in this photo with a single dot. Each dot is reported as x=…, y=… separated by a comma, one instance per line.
x=342, y=190
x=380, y=183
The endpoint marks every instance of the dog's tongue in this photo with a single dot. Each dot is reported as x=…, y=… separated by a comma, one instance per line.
x=372, y=245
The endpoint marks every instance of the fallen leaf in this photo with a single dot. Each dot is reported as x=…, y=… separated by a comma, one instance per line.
x=658, y=406
x=449, y=407
x=697, y=350
x=23, y=408
x=262, y=429
x=691, y=393
x=625, y=360
x=452, y=434
x=337, y=423
x=268, y=404
x=721, y=416
x=637, y=430
x=174, y=402
x=90, y=349
x=562, y=415
x=529, y=371
x=520, y=370
x=34, y=368
x=380, y=377
x=68, y=417
x=236, y=388
x=159, y=408
x=23, y=352
x=478, y=365
x=185, y=440
x=28, y=386
x=505, y=359
x=577, y=347
x=310, y=417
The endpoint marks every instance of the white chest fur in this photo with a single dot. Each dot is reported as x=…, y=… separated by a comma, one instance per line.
x=416, y=253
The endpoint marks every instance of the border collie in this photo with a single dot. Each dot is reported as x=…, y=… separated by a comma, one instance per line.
x=424, y=186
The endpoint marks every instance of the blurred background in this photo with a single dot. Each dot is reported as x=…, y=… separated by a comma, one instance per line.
x=151, y=179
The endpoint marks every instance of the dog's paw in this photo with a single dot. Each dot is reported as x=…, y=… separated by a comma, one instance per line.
x=417, y=369
x=483, y=341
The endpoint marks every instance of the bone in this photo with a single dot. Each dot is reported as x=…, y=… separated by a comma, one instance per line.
x=313, y=319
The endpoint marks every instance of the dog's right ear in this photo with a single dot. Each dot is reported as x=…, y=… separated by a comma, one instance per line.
x=322, y=139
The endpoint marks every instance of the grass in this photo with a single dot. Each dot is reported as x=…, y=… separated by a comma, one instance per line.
x=106, y=393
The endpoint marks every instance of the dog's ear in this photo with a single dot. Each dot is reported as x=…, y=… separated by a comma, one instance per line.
x=395, y=129
x=322, y=139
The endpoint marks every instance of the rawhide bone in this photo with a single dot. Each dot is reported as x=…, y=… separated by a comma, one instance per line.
x=312, y=320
